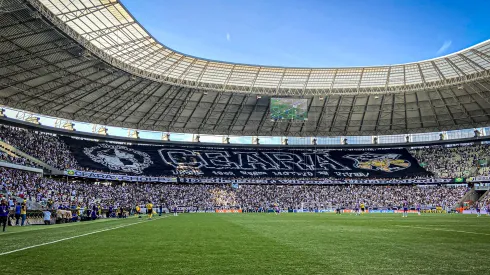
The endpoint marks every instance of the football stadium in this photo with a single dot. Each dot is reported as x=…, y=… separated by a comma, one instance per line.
x=120, y=155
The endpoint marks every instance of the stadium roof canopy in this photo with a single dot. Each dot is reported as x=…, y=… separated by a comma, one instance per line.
x=90, y=60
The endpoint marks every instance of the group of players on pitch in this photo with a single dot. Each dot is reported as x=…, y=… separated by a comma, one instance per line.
x=150, y=211
x=361, y=208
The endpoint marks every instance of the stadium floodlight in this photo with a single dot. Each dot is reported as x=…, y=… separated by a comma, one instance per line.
x=321, y=98
x=460, y=87
x=99, y=129
x=259, y=96
x=133, y=133
x=64, y=124
x=28, y=117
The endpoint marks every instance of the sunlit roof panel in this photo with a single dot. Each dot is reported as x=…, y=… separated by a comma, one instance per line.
x=321, y=79
x=445, y=68
x=374, y=77
x=478, y=60
x=107, y=26
x=429, y=72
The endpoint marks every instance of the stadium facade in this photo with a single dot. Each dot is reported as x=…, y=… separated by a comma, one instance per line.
x=91, y=61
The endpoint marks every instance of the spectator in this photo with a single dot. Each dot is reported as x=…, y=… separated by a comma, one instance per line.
x=23, y=213
x=17, y=213
x=47, y=217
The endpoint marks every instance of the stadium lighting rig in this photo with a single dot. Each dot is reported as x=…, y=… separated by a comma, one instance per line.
x=28, y=117
x=64, y=124
x=133, y=133
x=99, y=129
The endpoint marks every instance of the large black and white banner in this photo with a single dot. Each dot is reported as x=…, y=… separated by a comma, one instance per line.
x=242, y=162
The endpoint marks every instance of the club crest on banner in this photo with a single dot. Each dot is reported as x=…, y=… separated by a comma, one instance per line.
x=119, y=158
x=379, y=162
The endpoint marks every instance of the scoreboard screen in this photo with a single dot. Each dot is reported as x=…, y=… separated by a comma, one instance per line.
x=289, y=109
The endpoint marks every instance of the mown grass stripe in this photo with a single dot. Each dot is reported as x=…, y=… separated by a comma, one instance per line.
x=78, y=236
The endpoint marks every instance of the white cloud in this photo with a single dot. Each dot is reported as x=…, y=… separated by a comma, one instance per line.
x=228, y=37
x=445, y=46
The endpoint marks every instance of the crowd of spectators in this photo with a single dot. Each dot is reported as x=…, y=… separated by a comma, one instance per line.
x=5, y=157
x=453, y=162
x=43, y=146
x=54, y=193
x=348, y=196
x=444, y=162
x=485, y=199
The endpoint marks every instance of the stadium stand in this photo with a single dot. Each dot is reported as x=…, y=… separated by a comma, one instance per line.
x=444, y=162
x=33, y=187
x=453, y=162
x=44, y=146
x=5, y=157
x=49, y=192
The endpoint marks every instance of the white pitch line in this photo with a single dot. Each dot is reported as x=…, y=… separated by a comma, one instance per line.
x=447, y=230
x=56, y=226
x=78, y=236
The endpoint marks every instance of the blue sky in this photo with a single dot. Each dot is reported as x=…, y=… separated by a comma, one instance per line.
x=315, y=33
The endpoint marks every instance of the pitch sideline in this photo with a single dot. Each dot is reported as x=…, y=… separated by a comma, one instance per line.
x=56, y=226
x=78, y=236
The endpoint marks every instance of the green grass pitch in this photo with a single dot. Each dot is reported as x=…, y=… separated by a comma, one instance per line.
x=254, y=244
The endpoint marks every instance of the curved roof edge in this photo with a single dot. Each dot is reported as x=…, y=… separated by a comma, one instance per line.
x=106, y=29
